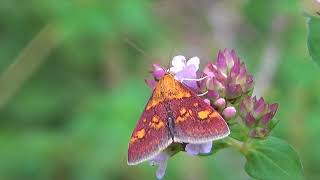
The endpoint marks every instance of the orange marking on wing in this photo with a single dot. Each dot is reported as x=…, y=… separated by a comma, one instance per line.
x=167, y=89
x=195, y=104
x=133, y=139
x=138, y=135
x=214, y=114
x=144, y=120
x=183, y=116
x=155, y=119
x=180, y=119
x=183, y=111
x=204, y=114
x=156, y=123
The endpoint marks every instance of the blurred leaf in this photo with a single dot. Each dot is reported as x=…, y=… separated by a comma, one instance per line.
x=272, y=159
x=260, y=13
x=314, y=38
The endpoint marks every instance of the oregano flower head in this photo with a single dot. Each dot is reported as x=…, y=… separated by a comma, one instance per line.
x=227, y=76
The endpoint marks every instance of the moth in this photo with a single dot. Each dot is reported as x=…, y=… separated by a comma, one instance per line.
x=173, y=114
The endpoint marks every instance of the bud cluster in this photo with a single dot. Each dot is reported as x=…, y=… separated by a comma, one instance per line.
x=257, y=115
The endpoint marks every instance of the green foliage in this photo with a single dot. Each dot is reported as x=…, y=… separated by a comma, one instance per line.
x=314, y=38
x=272, y=159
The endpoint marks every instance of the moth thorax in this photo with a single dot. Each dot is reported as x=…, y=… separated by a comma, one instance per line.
x=170, y=123
x=170, y=127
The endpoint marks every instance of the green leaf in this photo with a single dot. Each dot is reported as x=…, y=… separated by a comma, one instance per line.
x=273, y=159
x=238, y=132
x=314, y=38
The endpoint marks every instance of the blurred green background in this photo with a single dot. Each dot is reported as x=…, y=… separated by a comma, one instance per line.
x=72, y=80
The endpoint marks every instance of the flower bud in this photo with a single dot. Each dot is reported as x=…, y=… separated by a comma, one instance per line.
x=158, y=72
x=220, y=103
x=229, y=112
x=207, y=101
x=258, y=132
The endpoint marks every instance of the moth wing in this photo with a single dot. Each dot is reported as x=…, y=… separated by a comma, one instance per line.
x=150, y=135
x=196, y=121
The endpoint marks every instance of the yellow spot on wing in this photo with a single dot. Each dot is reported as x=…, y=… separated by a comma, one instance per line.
x=204, y=114
x=182, y=111
x=180, y=119
x=183, y=116
x=140, y=134
x=133, y=139
x=214, y=114
x=155, y=119
x=156, y=123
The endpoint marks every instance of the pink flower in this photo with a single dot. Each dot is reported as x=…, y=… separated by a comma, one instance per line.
x=185, y=71
x=228, y=76
x=257, y=115
x=196, y=149
x=161, y=161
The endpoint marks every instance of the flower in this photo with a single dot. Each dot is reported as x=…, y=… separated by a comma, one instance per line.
x=229, y=112
x=161, y=161
x=257, y=115
x=196, y=149
x=220, y=104
x=228, y=76
x=185, y=71
x=158, y=72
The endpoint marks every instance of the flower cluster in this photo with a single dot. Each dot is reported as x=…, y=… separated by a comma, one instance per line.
x=228, y=78
x=224, y=84
x=257, y=115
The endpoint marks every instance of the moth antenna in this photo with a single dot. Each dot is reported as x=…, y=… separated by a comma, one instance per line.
x=169, y=62
x=136, y=47
x=203, y=94
x=200, y=79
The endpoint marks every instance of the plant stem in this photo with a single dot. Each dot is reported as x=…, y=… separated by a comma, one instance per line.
x=29, y=59
x=239, y=145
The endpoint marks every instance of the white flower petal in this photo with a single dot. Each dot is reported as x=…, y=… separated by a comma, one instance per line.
x=178, y=63
x=175, y=69
x=195, y=61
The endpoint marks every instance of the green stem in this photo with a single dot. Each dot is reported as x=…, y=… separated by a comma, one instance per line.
x=29, y=59
x=238, y=145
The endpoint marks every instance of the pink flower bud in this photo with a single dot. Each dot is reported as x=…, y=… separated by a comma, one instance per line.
x=158, y=72
x=220, y=103
x=229, y=112
x=207, y=101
